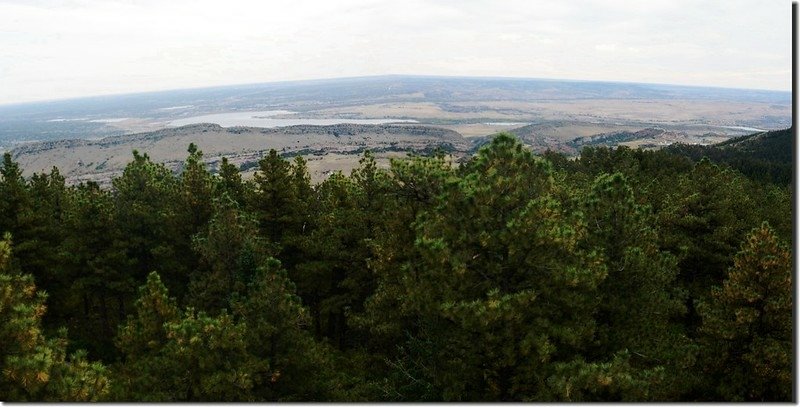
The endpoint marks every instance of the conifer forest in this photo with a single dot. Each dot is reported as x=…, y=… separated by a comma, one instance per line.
x=621, y=275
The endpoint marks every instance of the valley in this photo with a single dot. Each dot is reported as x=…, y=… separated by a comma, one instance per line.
x=331, y=122
x=326, y=148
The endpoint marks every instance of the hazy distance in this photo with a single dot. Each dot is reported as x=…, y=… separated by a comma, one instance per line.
x=55, y=50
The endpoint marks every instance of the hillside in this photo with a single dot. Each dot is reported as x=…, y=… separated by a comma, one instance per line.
x=765, y=156
x=472, y=106
x=326, y=148
x=772, y=145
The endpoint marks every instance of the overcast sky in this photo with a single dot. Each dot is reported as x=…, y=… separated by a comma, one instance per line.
x=61, y=49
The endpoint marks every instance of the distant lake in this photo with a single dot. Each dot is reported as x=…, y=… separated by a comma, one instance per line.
x=264, y=119
x=740, y=128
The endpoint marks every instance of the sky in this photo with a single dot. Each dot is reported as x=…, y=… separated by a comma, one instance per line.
x=73, y=48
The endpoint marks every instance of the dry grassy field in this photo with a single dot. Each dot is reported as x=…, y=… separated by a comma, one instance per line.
x=459, y=113
x=327, y=148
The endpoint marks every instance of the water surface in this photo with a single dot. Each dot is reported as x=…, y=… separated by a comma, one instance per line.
x=265, y=118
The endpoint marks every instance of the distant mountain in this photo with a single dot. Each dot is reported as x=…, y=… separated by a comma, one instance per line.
x=765, y=156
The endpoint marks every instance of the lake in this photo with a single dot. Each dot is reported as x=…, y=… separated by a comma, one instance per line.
x=264, y=119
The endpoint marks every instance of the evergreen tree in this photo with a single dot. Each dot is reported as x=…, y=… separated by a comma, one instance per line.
x=334, y=278
x=747, y=324
x=638, y=302
x=181, y=356
x=96, y=270
x=499, y=290
x=194, y=207
x=293, y=365
x=227, y=254
x=275, y=199
x=38, y=240
x=230, y=182
x=144, y=198
x=611, y=277
x=330, y=251
x=33, y=367
x=195, y=198
x=301, y=222
x=702, y=222
x=14, y=196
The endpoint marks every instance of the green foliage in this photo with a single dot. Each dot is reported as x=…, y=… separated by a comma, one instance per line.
x=39, y=232
x=294, y=365
x=144, y=199
x=144, y=331
x=230, y=182
x=181, y=356
x=195, y=203
x=611, y=277
x=638, y=300
x=747, y=323
x=33, y=367
x=765, y=157
x=14, y=197
x=211, y=354
x=94, y=269
x=702, y=223
x=332, y=250
x=227, y=254
x=614, y=381
x=498, y=288
x=260, y=352
x=275, y=199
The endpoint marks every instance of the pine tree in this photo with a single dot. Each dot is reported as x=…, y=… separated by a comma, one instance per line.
x=193, y=209
x=301, y=222
x=413, y=186
x=211, y=353
x=747, y=323
x=293, y=366
x=228, y=253
x=14, y=196
x=33, y=367
x=230, y=182
x=333, y=278
x=329, y=253
x=498, y=290
x=638, y=301
x=703, y=221
x=100, y=287
x=40, y=234
x=181, y=356
x=275, y=200
x=144, y=198
x=195, y=201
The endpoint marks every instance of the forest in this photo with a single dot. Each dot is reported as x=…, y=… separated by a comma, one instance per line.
x=622, y=275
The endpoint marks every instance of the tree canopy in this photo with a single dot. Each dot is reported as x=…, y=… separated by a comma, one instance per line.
x=622, y=275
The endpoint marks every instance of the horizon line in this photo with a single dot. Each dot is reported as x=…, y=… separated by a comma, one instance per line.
x=341, y=78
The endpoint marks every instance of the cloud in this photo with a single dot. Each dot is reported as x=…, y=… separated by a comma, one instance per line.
x=606, y=47
x=57, y=49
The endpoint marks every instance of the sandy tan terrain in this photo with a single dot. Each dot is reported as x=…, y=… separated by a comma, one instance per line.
x=608, y=111
x=134, y=125
x=321, y=167
x=422, y=111
x=456, y=113
x=480, y=129
x=328, y=148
